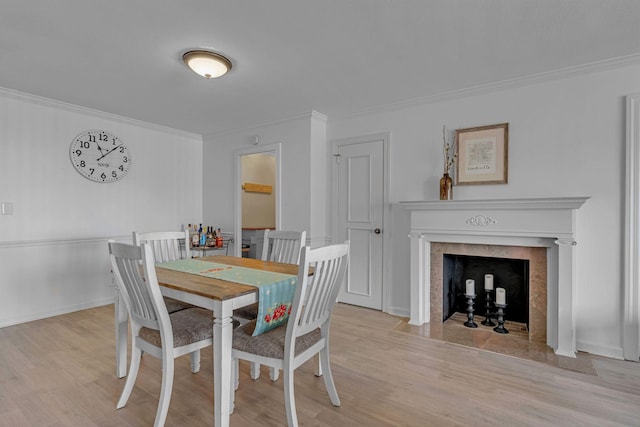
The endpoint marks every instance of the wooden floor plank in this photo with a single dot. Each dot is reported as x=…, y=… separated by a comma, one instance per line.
x=61, y=371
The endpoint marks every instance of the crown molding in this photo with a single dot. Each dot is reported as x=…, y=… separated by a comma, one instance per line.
x=561, y=73
x=61, y=105
x=318, y=116
x=313, y=114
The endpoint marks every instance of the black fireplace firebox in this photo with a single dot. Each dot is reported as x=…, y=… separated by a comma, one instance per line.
x=510, y=274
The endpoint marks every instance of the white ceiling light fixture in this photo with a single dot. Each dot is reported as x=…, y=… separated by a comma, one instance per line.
x=208, y=64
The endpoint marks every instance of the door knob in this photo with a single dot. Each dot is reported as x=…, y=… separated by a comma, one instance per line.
x=377, y=231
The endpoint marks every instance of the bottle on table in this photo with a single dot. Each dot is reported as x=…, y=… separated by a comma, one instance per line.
x=210, y=239
x=203, y=235
x=219, y=240
x=195, y=238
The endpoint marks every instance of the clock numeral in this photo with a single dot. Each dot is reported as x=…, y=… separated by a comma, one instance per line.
x=104, y=137
x=114, y=174
x=78, y=153
x=103, y=176
x=121, y=149
x=121, y=168
x=82, y=163
x=92, y=138
x=125, y=159
x=85, y=144
x=92, y=171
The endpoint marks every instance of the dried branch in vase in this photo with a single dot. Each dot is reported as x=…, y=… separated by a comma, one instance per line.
x=450, y=155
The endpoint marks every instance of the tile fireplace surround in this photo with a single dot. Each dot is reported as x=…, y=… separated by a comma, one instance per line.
x=526, y=223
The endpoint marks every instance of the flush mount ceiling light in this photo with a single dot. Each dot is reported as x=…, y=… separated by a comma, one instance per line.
x=208, y=64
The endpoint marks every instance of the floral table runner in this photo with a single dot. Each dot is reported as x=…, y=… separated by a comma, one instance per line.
x=275, y=290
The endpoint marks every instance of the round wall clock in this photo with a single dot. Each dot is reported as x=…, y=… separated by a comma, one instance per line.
x=100, y=156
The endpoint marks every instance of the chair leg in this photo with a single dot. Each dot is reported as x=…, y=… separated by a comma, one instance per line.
x=195, y=361
x=235, y=381
x=122, y=321
x=274, y=374
x=255, y=370
x=236, y=374
x=318, y=363
x=165, y=389
x=289, y=397
x=134, y=366
x=328, y=376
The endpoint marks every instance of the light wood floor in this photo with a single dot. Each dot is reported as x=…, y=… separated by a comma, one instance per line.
x=61, y=372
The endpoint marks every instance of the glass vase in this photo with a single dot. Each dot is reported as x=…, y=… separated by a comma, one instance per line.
x=446, y=187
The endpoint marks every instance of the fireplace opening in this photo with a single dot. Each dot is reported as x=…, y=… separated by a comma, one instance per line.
x=510, y=274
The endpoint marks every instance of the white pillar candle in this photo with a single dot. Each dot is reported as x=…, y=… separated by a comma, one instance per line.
x=501, y=297
x=471, y=287
x=488, y=282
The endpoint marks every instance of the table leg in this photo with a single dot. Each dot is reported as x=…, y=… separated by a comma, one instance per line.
x=222, y=337
x=121, y=318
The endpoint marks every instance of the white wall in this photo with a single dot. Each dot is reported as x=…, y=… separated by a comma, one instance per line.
x=53, y=254
x=319, y=188
x=566, y=138
x=294, y=137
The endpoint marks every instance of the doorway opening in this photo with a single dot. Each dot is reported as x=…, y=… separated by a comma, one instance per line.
x=257, y=196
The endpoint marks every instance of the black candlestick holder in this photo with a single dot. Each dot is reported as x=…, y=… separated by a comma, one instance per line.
x=488, y=305
x=500, y=328
x=470, y=323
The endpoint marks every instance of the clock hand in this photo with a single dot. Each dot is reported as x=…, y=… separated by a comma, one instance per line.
x=100, y=150
x=110, y=151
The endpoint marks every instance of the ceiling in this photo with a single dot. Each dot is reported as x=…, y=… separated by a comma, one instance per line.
x=338, y=57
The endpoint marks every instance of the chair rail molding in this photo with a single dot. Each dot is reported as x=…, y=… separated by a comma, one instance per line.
x=631, y=310
x=61, y=241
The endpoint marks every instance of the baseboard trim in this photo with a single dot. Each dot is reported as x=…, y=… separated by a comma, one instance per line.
x=600, y=350
x=397, y=311
x=61, y=310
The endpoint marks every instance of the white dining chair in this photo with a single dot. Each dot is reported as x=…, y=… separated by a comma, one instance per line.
x=153, y=330
x=167, y=246
x=307, y=330
x=283, y=245
x=279, y=246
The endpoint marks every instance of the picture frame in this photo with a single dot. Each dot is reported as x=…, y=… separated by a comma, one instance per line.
x=482, y=155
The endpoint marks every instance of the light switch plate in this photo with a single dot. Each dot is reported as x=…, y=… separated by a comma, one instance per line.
x=6, y=208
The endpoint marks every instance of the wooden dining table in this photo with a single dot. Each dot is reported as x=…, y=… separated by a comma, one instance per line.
x=220, y=296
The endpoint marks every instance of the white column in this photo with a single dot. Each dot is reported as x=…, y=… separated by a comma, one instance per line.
x=566, y=290
x=420, y=280
x=631, y=310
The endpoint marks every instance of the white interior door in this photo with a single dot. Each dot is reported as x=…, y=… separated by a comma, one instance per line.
x=360, y=219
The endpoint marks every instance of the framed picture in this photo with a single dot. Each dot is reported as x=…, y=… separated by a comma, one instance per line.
x=482, y=155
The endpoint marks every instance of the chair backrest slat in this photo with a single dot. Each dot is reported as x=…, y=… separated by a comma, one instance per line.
x=166, y=245
x=316, y=294
x=283, y=245
x=134, y=270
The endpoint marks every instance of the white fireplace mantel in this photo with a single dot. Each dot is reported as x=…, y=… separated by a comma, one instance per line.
x=545, y=222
